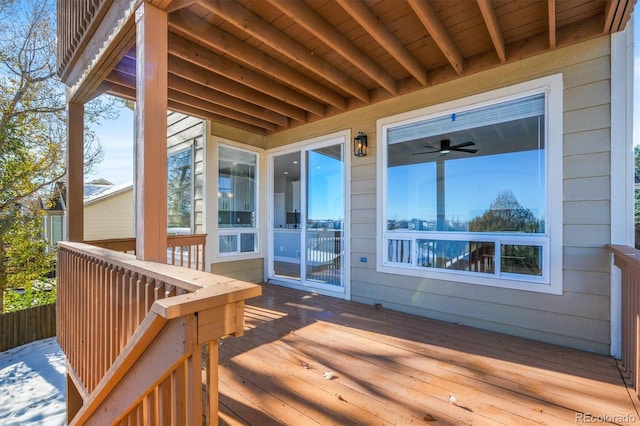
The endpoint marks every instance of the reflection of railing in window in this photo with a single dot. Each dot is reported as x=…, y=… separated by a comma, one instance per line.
x=399, y=251
x=324, y=256
x=474, y=256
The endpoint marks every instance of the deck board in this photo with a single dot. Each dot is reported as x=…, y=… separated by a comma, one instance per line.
x=392, y=368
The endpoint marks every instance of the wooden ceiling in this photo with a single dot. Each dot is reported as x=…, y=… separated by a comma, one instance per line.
x=269, y=65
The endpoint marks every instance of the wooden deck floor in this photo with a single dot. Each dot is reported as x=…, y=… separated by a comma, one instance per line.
x=391, y=368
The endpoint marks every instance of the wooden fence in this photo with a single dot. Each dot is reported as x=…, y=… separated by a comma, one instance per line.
x=25, y=326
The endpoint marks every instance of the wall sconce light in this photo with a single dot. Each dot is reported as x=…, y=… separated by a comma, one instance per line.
x=360, y=145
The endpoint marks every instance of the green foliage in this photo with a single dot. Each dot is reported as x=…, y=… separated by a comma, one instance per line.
x=24, y=259
x=506, y=215
x=26, y=256
x=33, y=123
x=41, y=293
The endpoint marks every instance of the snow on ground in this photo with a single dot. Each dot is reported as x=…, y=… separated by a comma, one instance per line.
x=32, y=385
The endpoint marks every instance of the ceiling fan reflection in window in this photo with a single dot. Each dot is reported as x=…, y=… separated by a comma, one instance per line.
x=446, y=147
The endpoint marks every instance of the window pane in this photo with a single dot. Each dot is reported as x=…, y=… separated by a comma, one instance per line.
x=236, y=188
x=179, y=184
x=228, y=243
x=521, y=259
x=56, y=229
x=471, y=256
x=481, y=170
x=399, y=251
x=247, y=243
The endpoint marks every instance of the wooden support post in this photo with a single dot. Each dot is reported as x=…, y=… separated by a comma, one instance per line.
x=75, y=172
x=151, y=133
x=212, y=383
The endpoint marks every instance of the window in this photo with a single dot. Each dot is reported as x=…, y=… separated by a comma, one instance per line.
x=179, y=192
x=468, y=189
x=237, y=222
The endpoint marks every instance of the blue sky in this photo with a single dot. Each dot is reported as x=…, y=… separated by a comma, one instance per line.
x=116, y=137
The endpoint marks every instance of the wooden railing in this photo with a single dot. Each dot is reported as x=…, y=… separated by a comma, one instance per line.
x=182, y=250
x=628, y=260
x=76, y=22
x=133, y=333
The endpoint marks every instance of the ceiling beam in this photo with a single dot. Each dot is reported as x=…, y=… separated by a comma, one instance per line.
x=211, y=95
x=197, y=74
x=385, y=38
x=204, y=58
x=123, y=79
x=127, y=66
x=438, y=32
x=252, y=24
x=553, y=37
x=129, y=93
x=212, y=37
x=491, y=21
x=327, y=33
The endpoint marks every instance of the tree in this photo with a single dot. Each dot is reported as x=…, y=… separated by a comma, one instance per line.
x=32, y=115
x=505, y=214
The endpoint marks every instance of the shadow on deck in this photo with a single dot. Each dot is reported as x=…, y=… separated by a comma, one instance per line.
x=390, y=368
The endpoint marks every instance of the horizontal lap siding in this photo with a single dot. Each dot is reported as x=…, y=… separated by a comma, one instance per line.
x=580, y=317
x=111, y=217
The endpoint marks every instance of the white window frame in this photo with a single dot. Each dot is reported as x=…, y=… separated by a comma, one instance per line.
x=551, y=240
x=237, y=254
x=179, y=149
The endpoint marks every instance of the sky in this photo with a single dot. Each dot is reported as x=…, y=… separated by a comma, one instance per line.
x=117, y=139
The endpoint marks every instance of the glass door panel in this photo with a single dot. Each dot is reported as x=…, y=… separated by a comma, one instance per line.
x=287, y=236
x=325, y=212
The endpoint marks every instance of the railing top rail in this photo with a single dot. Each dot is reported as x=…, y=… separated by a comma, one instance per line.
x=185, y=278
x=627, y=254
x=180, y=239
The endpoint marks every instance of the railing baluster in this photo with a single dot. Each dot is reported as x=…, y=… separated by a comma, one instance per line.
x=118, y=315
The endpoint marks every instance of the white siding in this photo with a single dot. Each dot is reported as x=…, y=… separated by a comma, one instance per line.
x=110, y=217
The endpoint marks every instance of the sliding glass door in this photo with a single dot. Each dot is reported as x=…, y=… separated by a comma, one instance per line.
x=308, y=218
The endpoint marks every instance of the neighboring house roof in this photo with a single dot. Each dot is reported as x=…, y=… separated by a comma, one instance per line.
x=107, y=192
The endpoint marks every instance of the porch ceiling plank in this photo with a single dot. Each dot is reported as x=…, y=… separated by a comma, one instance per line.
x=491, y=21
x=212, y=37
x=552, y=23
x=207, y=115
x=205, y=98
x=204, y=58
x=220, y=110
x=194, y=89
x=430, y=20
x=177, y=5
x=197, y=74
x=385, y=38
x=246, y=21
x=122, y=91
x=127, y=92
x=311, y=21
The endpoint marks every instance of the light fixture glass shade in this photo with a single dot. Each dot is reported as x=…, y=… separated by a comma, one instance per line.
x=360, y=145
